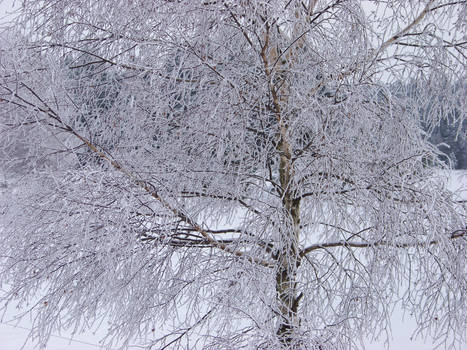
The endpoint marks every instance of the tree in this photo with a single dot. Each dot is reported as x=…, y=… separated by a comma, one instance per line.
x=452, y=140
x=95, y=105
x=266, y=189
x=451, y=143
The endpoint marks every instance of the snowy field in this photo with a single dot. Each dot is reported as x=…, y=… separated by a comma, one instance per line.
x=13, y=335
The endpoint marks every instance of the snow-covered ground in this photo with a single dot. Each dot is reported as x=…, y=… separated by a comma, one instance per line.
x=13, y=335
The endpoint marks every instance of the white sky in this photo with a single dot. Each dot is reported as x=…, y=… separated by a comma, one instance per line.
x=13, y=337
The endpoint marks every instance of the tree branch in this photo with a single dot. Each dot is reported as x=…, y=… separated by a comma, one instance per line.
x=348, y=244
x=148, y=188
x=406, y=29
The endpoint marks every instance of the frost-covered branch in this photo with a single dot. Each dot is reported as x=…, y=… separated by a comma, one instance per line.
x=353, y=244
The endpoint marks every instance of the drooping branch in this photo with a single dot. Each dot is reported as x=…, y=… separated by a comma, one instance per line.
x=184, y=332
x=149, y=188
x=145, y=185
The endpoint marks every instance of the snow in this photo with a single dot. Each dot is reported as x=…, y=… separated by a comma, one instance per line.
x=14, y=337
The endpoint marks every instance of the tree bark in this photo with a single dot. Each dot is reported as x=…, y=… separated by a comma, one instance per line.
x=288, y=257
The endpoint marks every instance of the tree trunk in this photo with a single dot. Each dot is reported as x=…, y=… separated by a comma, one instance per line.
x=288, y=256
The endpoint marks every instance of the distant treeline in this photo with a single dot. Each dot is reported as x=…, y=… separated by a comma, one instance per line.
x=451, y=140
x=449, y=135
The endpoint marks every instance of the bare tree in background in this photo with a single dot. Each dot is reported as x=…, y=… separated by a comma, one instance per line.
x=251, y=178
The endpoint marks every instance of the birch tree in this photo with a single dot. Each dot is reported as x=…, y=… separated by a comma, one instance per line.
x=259, y=182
